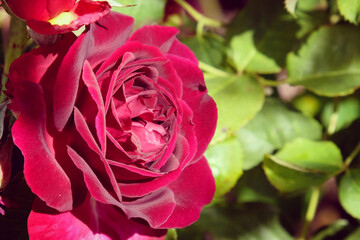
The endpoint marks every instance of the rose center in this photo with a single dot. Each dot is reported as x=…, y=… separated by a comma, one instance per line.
x=145, y=118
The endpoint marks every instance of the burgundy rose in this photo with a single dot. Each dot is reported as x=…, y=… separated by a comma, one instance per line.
x=113, y=129
x=58, y=16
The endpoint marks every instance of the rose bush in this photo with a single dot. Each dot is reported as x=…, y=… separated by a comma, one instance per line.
x=113, y=129
x=58, y=16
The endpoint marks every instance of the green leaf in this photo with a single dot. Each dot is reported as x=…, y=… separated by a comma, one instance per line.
x=210, y=50
x=290, y=5
x=225, y=160
x=349, y=192
x=259, y=38
x=144, y=11
x=273, y=127
x=302, y=164
x=346, y=112
x=328, y=63
x=238, y=99
x=309, y=21
x=254, y=222
x=350, y=9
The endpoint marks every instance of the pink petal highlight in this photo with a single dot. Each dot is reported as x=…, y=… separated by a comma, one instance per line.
x=30, y=136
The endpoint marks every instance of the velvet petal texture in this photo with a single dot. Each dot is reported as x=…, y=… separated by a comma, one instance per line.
x=192, y=190
x=95, y=46
x=118, y=124
x=39, y=9
x=40, y=162
x=90, y=221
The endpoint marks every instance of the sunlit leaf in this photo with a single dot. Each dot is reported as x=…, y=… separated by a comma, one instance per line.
x=302, y=164
x=329, y=62
x=349, y=192
x=350, y=9
x=210, y=49
x=225, y=160
x=273, y=127
x=238, y=99
x=259, y=38
x=143, y=11
x=290, y=5
x=345, y=113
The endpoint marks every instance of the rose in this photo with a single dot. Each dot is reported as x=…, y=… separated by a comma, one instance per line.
x=113, y=131
x=58, y=16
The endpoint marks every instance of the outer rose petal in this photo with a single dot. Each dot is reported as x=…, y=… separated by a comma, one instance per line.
x=156, y=36
x=35, y=65
x=87, y=12
x=30, y=136
x=90, y=221
x=39, y=9
x=163, y=38
x=195, y=94
x=192, y=190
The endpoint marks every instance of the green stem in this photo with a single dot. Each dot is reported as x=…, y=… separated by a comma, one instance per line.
x=352, y=155
x=200, y=31
x=214, y=71
x=310, y=212
x=198, y=16
x=269, y=82
x=18, y=37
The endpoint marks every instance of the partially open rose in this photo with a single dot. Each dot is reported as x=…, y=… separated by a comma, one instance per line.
x=58, y=16
x=113, y=129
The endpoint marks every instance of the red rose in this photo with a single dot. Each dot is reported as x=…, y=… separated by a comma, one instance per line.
x=113, y=130
x=58, y=16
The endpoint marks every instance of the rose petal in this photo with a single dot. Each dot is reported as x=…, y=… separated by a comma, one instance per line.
x=86, y=135
x=137, y=189
x=90, y=221
x=39, y=9
x=86, y=12
x=93, y=88
x=31, y=137
x=155, y=208
x=40, y=62
x=192, y=190
x=94, y=45
x=161, y=37
x=202, y=105
x=181, y=50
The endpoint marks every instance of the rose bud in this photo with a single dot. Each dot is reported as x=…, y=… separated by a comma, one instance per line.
x=113, y=128
x=58, y=16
